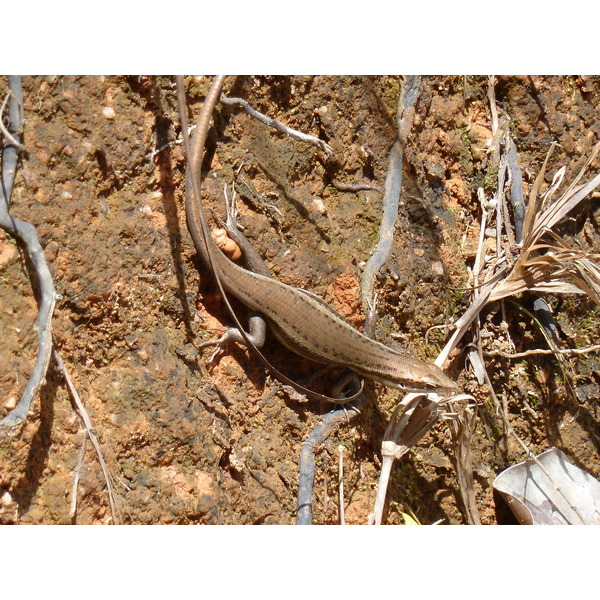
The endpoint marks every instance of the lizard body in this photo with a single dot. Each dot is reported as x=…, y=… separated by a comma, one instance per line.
x=301, y=320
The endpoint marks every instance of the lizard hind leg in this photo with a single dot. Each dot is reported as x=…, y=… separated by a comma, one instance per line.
x=257, y=335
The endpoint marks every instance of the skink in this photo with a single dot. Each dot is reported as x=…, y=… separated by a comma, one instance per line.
x=301, y=320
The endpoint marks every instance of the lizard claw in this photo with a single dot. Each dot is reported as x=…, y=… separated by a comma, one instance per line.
x=219, y=343
x=231, y=334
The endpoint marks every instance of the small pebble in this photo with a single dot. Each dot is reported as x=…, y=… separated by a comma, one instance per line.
x=437, y=267
x=41, y=196
x=319, y=206
x=30, y=177
x=108, y=112
x=10, y=403
x=43, y=157
x=89, y=147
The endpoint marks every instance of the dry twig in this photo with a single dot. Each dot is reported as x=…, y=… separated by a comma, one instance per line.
x=293, y=133
x=10, y=138
x=341, y=483
x=543, y=351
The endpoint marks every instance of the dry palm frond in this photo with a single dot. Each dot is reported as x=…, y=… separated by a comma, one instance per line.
x=552, y=268
x=547, y=263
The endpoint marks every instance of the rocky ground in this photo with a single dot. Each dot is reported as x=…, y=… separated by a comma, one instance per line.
x=189, y=442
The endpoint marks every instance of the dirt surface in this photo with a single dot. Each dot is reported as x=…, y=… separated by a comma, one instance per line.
x=220, y=443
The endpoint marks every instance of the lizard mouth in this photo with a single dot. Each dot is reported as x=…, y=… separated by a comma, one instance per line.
x=441, y=384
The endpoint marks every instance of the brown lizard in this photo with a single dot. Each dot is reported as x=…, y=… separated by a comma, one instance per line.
x=301, y=320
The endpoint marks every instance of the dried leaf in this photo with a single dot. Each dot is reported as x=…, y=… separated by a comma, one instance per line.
x=557, y=211
x=584, y=169
x=462, y=425
x=549, y=490
x=478, y=366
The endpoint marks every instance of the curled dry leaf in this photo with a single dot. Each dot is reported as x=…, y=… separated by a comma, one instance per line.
x=549, y=490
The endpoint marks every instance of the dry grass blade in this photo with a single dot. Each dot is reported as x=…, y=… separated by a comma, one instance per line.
x=561, y=207
x=559, y=270
x=570, y=191
x=534, y=200
x=587, y=274
x=89, y=429
x=412, y=419
x=462, y=325
x=539, y=216
x=73, y=510
x=462, y=425
x=577, y=266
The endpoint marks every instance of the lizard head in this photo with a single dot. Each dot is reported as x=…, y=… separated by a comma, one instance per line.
x=422, y=377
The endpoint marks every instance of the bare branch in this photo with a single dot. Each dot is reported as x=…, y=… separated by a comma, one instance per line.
x=26, y=234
